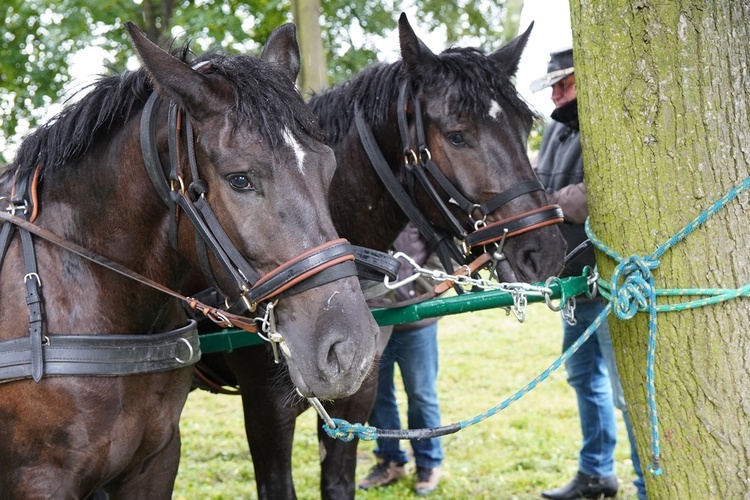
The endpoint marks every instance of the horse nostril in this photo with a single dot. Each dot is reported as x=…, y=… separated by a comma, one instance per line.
x=339, y=359
x=530, y=259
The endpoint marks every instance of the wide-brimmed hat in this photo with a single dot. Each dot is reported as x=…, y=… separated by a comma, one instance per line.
x=560, y=65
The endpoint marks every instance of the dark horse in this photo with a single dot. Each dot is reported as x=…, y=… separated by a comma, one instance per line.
x=91, y=391
x=476, y=127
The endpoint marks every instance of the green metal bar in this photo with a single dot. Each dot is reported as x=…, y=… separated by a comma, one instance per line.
x=564, y=288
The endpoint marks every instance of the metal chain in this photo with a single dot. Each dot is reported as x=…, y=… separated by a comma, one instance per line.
x=465, y=281
x=519, y=291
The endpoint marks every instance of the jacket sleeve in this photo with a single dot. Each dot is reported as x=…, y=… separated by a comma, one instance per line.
x=572, y=199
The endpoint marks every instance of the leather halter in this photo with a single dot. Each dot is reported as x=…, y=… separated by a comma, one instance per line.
x=418, y=164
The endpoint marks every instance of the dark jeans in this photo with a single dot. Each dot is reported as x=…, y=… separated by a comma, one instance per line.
x=592, y=372
x=416, y=352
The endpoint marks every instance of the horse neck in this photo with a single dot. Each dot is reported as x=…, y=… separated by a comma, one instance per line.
x=362, y=209
x=105, y=203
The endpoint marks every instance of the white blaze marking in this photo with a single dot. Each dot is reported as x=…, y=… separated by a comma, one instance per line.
x=495, y=109
x=298, y=152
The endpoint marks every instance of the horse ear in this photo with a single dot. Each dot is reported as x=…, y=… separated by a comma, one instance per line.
x=413, y=51
x=176, y=79
x=282, y=49
x=509, y=55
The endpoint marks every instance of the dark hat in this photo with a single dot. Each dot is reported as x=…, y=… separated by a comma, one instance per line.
x=560, y=65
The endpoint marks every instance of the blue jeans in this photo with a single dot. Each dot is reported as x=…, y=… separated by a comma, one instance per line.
x=416, y=352
x=592, y=372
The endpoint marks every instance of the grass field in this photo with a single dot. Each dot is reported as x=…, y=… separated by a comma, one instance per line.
x=485, y=357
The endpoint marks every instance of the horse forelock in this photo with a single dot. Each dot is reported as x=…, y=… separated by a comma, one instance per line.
x=265, y=98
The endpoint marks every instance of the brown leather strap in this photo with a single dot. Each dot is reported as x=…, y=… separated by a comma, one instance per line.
x=215, y=314
x=466, y=270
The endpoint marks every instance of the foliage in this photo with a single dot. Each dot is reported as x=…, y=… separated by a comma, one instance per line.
x=40, y=37
x=484, y=357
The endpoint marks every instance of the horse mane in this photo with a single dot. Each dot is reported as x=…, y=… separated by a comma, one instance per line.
x=375, y=89
x=469, y=78
x=114, y=100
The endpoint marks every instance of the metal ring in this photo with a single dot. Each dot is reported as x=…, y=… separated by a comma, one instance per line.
x=592, y=280
x=414, y=158
x=173, y=186
x=547, y=297
x=480, y=223
x=190, y=347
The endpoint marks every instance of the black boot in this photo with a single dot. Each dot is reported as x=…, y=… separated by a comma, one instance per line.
x=585, y=486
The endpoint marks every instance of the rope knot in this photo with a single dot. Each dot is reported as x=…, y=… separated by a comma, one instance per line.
x=345, y=431
x=637, y=288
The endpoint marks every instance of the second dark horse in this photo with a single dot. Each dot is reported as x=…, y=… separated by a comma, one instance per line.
x=476, y=127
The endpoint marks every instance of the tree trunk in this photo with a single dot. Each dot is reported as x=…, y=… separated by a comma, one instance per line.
x=663, y=96
x=313, y=74
x=513, y=9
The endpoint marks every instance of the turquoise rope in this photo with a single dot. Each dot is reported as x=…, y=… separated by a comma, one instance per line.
x=636, y=293
x=346, y=431
x=632, y=290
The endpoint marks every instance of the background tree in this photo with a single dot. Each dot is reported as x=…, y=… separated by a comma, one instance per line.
x=664, y=99
x=40, y=37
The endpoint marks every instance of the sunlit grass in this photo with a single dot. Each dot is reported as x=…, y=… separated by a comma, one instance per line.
x=485, y=357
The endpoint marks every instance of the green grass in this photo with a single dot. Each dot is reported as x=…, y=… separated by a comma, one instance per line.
x=485, y=357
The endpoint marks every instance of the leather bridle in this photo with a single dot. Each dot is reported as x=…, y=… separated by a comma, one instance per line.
x=323, y=264
x=420, y=168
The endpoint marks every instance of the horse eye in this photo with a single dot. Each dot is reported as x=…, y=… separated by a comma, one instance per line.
x=456, y=139
x=240, y=182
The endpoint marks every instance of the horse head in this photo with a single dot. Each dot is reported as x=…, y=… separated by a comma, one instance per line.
x=260, y=164
x=475, y=129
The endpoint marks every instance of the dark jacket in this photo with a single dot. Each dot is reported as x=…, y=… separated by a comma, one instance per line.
x=560, y=170
x=412, y=244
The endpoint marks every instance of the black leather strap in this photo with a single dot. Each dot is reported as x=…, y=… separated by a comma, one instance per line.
x=517, y=225
x=34, y=304
x=103, y=355
x=416, y=162
x=509, y=194
x=271, y=284
x=375, y=265
x=437, y=241
x=151, y=153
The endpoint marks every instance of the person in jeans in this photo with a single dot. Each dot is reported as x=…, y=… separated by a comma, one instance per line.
x=592, y=371
x=414, y=347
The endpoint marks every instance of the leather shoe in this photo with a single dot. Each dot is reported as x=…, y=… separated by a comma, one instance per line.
x=585, y=486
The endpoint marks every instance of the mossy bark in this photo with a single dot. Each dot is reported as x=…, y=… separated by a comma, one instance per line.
x=664, y=101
